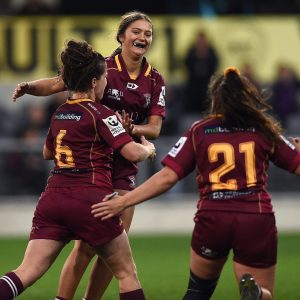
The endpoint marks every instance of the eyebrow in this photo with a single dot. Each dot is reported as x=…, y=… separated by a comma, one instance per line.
x=137, y=28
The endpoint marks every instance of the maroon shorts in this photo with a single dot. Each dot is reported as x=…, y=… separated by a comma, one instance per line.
x=252, y=237
x=65, y=213
x=123, y=173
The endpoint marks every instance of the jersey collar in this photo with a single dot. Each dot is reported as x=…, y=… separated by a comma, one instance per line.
x=122, y=67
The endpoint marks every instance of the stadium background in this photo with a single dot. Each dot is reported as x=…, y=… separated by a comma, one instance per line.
x=262, y=33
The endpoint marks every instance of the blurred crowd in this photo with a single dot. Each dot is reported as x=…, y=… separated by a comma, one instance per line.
x=201, y=7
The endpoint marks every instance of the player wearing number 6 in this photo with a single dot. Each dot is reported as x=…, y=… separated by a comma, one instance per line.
x=230, y=150
x=82, y=137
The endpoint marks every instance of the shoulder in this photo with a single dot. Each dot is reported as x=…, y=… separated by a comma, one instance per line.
x=203, y=123
x=100, y=110
x=154, y=73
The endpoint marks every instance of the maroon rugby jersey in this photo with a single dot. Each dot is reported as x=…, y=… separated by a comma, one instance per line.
x=82, y=137
x=140, y=97
x=231, y=165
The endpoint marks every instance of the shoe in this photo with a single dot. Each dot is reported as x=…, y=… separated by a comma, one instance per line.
x=249, y=290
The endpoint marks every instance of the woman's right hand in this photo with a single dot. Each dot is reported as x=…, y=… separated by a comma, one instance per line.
x=150, y=146
x=20, y=90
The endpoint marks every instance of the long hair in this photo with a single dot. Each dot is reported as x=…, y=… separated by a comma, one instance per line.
x=126, y=20
x=80, y=64
x=240, y=104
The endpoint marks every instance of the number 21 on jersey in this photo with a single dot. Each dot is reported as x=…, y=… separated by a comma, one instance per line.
x=247, y=148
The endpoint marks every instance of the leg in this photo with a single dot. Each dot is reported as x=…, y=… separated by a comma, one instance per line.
x=117, y=256
x=204, y=276
x=39, y=256
x=73, y=269
x=264, y=277
x=101, y=276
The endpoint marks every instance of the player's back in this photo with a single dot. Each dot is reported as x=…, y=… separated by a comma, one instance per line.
x=81, y=154
x=231, y=163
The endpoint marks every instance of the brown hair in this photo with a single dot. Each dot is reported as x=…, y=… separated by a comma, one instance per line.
x=241, y=105
x=80, y=64
x=126, y=20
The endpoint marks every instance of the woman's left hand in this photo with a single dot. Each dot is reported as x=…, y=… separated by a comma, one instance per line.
x=126, y=121
x=108, y=207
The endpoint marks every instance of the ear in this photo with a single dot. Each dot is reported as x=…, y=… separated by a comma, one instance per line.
x=121, y=38
x=94, y=82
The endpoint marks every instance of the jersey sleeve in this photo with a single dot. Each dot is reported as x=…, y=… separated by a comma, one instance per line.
x=181, y=158
x=112, y=131
x=157, y=105
x=285, y=156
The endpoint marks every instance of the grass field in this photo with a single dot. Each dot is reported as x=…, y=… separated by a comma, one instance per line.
x=162, y=262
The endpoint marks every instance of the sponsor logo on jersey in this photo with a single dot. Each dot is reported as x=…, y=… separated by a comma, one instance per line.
x=161, y=100
x=177, y=147
x=288, y=142
x=68, y=116
x=131, y=86
x=147, y=99
x=114, y=94
x=114, y=125
x=220, y=129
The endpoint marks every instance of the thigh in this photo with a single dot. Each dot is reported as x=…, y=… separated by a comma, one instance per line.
x=38, y=257
x=255, y=240
x=265, y=277
x=206, y=268
x=117, y=255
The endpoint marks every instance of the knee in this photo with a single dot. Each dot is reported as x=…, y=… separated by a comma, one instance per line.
x=200, y=289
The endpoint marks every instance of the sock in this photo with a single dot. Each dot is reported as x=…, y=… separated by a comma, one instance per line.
x=133, y=295
x=59, y=298
x=10, y=286
x=200, y=289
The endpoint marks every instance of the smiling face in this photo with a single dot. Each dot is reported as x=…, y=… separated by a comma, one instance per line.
x=137, y=38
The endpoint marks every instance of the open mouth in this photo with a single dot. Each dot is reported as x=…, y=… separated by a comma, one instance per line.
x=139, y=45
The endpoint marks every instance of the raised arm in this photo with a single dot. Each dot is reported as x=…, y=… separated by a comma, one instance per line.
x=154, y=186
x=40, y=87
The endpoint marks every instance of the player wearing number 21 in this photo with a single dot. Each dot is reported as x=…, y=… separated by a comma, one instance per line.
x=230, y=150
x=82, y=137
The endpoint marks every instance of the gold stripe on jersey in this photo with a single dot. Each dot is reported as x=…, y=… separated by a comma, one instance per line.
x=75, y=101
x=118, y=63
x=148, y=70
x=96, y=138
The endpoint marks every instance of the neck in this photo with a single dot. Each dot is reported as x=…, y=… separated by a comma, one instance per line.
x=80, y=95
x=133, y=63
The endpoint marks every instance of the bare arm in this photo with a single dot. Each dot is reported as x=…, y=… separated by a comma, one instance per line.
x=136, y=152
x=47, y=154
x=151, y=130
x=40, y=87
x=154, y=186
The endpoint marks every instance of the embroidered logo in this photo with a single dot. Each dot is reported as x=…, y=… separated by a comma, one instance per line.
x=131, y=86
x=114, y=94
